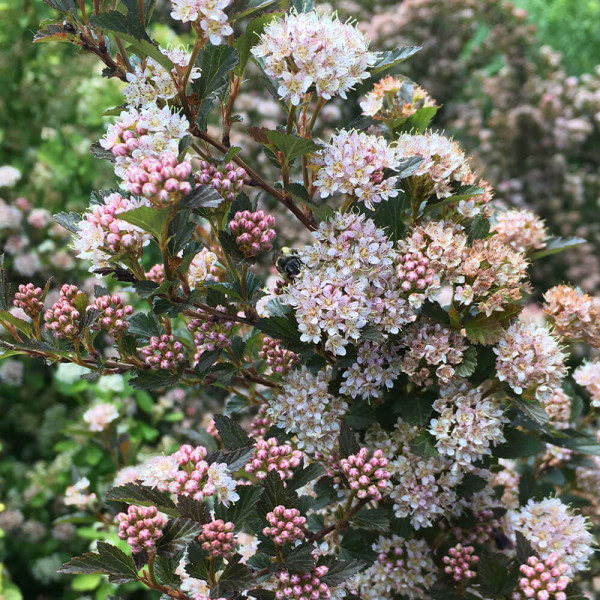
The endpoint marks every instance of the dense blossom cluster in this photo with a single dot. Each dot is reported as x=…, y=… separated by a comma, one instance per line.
x=204, y=267
x=217, y=538
x=312, y=50
x=269, y=456
x=302, y=586
x=545, y=579
x=228, y=179
x=575, y=315
x=254, y=231
x=460, y=562
x=141, y=526
x=29, y=300
x=210, y=335
x=164, y=352
x=287, y=525
x=209, y=14
x=522, y=230
x=100, y=416
x=63, y=318
x=530, y=360
x=588, y=376
x=112, y=315
x=278, y=358
x=355, y=163
x=366, y=474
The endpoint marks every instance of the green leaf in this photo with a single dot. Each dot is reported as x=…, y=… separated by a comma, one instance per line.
x=304, y=475
x=232, y=435
x=390, y=215
x=372, y=518
x=234, y=578
x=192, y=509
x=164, y=568
x=348, y=441
x=284, y=329
x=391, y=58
x=177, y=534
x=198, y=561
x=133, y=493
x=5, y=294
x=63, y=6
x=532, y=409
x=235, y=460
x=215, y=63
x=556, y=245
x=356, y=544
x=291, y=146
x=484, y=330
x=470, y=485
x=419, y=122
x=68, y=220
x=576, y=442
x=273, y=494
x=129, y=28
x=251, y=37
x=302, y=6
x=518, y=444
x=149, y=219
x=242, y=8
x=243, y=509
x=204, y=196
x=424, y=445
x=108, y=560
x=469, y=364
x=152, y=380
x=415, y=410
x=300, y=559
x=19, y=324
x=496, y=578
x=145, y=326
x=480, y=227
x=407, y=166
x=56, y=32
x=341, y=570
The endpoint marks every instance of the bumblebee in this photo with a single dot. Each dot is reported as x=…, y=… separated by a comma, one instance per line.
x=288, y=262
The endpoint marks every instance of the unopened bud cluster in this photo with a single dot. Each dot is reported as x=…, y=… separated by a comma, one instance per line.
x=260, y=423
x=227, y=180
x=414, y=271
x=217, y=538
x=544, y=580
x=268, y=456
x=141, y=526
x=164, y=352
x=286, y=525
x=63, y=317
x=162, y=181
x=29, y=300
x=303, y=586
x=368, y=477
x=156, y=274
x=278, y=358
x=113, y=314
x=460, y=561
x=192, y=477
x=254, y=231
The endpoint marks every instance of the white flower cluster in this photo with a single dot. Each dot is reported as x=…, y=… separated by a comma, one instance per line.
x=208, y=13
x=201, y=268
x=530, y=360
x=467, y=425
x=444, y=163
x=355, y=163
x=312, y=49
x=100, y=416
x=523, y=230
x=376, y=365
x=403, y=567
x=102, y=234
x=588, y=376
x=550, y=526
x=349, y=281
x=305, y=408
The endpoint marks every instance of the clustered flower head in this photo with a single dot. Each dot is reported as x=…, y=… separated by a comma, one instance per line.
x=141, y=526
x=113, y=314
x=366, y=473
x=269, y=456
x=202, y=268
x=394, y=98
x=432, y=351
x=403, y=566
x=287, y=525
x=460, y=562
x=302, y=586
x=575, y=315
x=552, y=529
x=414, y=272
x=227, y=180
x=468, y=423
x=522, y=230
x=349, y=280
x=260, y=423
x=102, y=234
x=544, y=579
x=558, y=409
x=75, y=495
x=213, y=334
x=254, y=231
x=209, y=14
x=30, y=300
x=156, y=274
x=100, y=416
x=354, y=163
x=314, y=50
x=217, y=538
x=162, y=181
x=164, y=352
x=588, y=376
x=530, y=360
x=63, y=317
x=276, y=356
x=305, y=407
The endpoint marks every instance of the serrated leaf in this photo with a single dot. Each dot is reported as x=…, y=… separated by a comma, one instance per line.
x=215, y=63
x=415, y=410
x=242, y=8
x=56, y=32
x=348, y=441
x=152, y=380
x=241, y=510
x=372, y=518
x=108, y=560
x=469, y=363
x=230, y=432
x=291, y=146
x=177, y=534
x=19, y=324
x=193, y=509
x=419, y=121
x=576, y=442
x=341, y=570
x=198, y=561
x=273, y=494
x=149, y=219
x=424, y=445
x=484, y=330
x=68, y=220
x=234, y=578
x=133, y=493
x=63, y=6
x=276, y=308
x=203, y=196
x=390, y=215
x=391, y=58
x=532, y=409
x=235, y=460
x=496, y=577
x=300, y=559
x=557, y=244
x=304, y=475
x=470, y=485
x=145, y=326
x=283, y=328
x=518, y=444
x=480, y=227
x=523, y=548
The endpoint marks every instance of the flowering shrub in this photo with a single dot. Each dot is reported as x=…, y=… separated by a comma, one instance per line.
x=388, y=421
